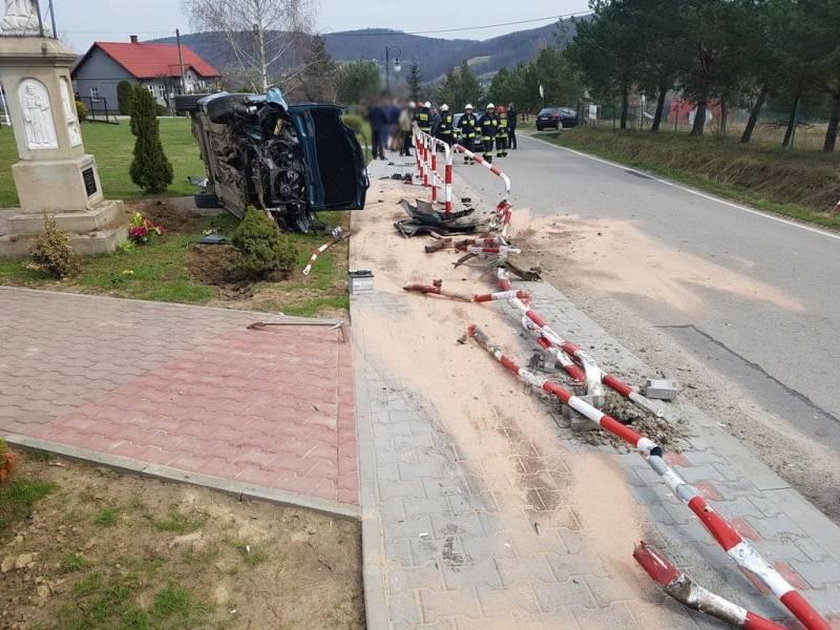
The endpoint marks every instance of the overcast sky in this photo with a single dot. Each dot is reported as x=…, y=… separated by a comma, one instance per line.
x=81, y=22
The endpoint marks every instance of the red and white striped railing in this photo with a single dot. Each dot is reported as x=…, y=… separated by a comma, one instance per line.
x=556, y=345
x=739, y=549
x=426, y=149
x=679, y=586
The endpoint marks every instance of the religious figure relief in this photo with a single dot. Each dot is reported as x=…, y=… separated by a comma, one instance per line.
x=21, y=18
x=37, y=115
x=70, y=116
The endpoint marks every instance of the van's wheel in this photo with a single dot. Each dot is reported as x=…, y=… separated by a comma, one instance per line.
x=221, y=108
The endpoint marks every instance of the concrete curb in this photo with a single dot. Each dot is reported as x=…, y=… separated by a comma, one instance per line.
x=373, y=550
x=220, y=309
x=167, y=473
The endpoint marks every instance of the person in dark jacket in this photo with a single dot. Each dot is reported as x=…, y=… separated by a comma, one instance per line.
x=512, y=114
x=423, y=117
x=435, y=122
x=467, y=131
x=488, y=123
x=446, y=131
x=378, y=118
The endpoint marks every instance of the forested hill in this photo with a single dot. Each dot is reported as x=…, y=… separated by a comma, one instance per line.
x=434, y=55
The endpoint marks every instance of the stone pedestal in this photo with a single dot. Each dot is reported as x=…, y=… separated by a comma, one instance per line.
x=55, y=177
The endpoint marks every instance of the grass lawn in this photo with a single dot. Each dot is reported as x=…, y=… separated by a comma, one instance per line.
x=168, y=270
x=87, y=548
x=112, y=145
x=802, y=184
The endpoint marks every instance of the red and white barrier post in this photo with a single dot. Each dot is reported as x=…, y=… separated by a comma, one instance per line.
x=739, y=549
x=338, y=235
x=427, y=166
x=679, y=586
x=556, y=345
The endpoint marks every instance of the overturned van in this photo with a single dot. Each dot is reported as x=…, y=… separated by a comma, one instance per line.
x=293, y=161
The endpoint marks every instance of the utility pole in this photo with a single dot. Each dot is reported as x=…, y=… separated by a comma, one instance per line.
x=181, y=61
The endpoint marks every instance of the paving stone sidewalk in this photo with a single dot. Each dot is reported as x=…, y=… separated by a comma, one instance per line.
x=184, y=391
x=439, y=551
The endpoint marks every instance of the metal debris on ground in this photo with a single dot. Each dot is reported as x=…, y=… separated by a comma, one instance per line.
x=339, y=325
x=426, y=218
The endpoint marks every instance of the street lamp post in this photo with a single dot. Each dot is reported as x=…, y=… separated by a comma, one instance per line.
x=397, y=66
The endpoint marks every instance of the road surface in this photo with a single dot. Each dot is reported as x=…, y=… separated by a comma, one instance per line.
x=786, y=357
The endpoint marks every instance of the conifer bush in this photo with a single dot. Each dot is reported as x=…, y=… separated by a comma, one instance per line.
x=151, y=171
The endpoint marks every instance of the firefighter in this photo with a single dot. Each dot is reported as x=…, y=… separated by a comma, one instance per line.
x=423, y=116
x=501, y=132
x=468, y=130
x=446, y=130
x=488, y=124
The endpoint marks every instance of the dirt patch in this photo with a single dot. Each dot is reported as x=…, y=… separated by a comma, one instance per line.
x=171, y=213
x=211, y=263
x=105, y=550
x=670, y=434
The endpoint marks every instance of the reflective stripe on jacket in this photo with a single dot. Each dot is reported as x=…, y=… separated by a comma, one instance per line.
x=488, y=124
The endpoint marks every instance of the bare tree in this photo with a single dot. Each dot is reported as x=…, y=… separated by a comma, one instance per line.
x=260, y=32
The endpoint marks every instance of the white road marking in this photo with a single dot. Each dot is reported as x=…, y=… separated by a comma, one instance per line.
x=692, y=191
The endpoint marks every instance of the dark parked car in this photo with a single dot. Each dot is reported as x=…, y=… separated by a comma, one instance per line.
x=291, y=160
x=556, y=118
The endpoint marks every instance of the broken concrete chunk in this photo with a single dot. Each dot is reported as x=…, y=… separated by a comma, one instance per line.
x=660, y=389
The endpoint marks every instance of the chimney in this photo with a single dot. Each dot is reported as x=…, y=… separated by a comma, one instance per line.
x=133, y=39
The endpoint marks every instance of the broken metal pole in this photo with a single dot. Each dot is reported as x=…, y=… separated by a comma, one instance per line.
x=736, y=547
x=536, y=325
x=679, y=586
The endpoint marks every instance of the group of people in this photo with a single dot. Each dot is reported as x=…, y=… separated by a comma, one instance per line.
x=496, y=127
x=391, y=126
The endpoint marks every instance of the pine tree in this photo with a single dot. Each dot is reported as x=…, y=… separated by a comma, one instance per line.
x=319, y=80
x=124, y=93
x=415, y=81
x=151, y=171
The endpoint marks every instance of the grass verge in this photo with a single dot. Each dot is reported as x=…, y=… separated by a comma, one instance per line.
x=247, y=565
x=113, y=148
x=803, y=185
x=174, y=269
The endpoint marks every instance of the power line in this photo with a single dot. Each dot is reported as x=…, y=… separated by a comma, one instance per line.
x=465, y=28
x=380, y=33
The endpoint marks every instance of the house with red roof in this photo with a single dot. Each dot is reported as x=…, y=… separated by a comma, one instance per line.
x=156, y=66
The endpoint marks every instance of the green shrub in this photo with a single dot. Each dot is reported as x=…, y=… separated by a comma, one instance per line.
x=151, y=171
x=353, y=121
x=125, y=92
x=51, y=251
x=81, y=110
x=262, y=247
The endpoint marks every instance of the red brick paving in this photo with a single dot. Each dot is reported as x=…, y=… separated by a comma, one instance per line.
x=189, y=388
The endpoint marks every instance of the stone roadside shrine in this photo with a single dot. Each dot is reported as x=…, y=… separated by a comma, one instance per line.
x=55, y=177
